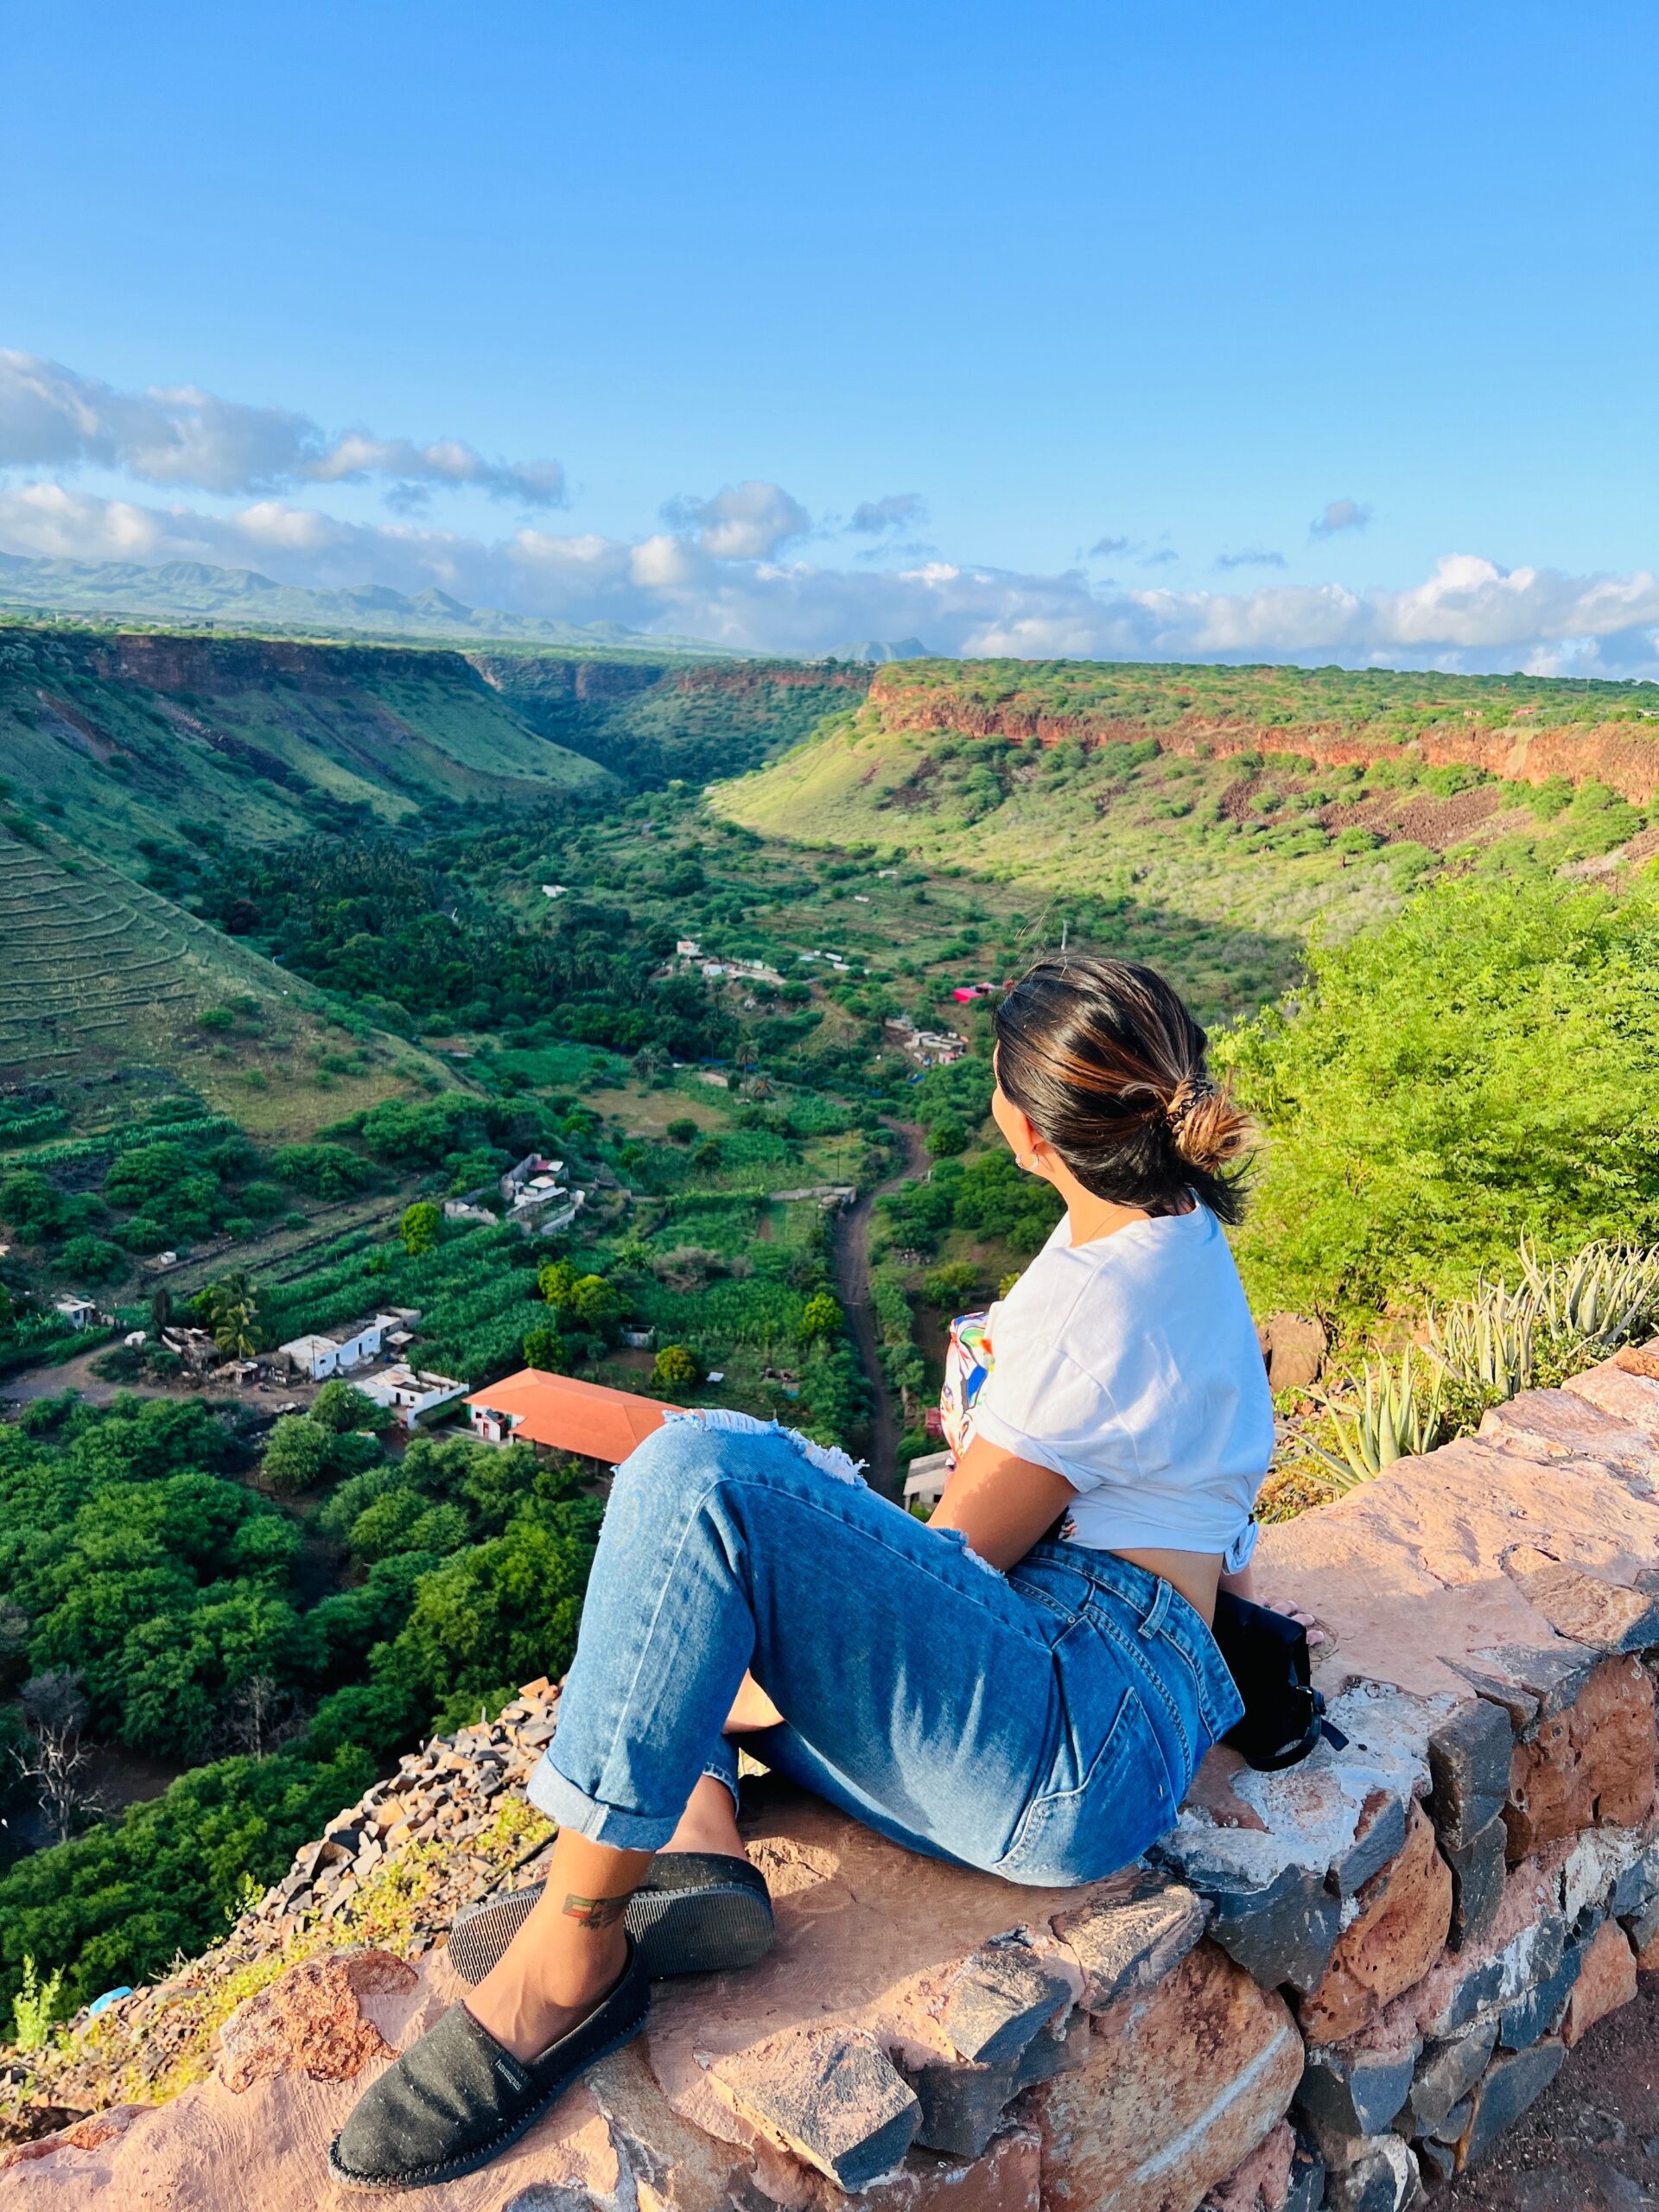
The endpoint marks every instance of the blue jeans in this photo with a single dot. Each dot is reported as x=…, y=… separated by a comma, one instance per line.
x=1042, y=1724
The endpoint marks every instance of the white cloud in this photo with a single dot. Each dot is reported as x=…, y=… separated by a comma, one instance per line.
x=1468, y=614
x=1339, y=515
x=743, y=522
x=52, y=417
x=898, y=511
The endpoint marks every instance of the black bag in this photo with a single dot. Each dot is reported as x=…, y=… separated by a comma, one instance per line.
x=1267, y=1656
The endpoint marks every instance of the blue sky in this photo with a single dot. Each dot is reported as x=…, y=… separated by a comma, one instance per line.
x=1172, y=282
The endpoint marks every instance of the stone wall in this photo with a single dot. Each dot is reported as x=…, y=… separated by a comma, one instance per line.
x=1327, y=1988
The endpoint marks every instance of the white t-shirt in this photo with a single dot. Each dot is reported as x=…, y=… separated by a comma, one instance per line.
x=1130, y=1366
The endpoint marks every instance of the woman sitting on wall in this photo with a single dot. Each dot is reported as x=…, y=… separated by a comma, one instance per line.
x=1025, y=1685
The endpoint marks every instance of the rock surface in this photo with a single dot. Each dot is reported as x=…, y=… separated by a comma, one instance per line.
x=1403, y=1936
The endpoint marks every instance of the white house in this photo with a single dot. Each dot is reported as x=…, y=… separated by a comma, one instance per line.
x=409, y=1393
x=320, y=1358
x=523, y=1170
x=924, y=1484
x=79, y=1313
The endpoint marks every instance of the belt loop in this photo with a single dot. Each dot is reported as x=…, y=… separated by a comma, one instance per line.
x=1153, y=1619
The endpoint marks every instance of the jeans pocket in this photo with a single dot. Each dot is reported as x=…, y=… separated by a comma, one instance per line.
x=1080, y=1834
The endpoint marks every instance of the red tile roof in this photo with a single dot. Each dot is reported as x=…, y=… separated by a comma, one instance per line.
x=586, y=1418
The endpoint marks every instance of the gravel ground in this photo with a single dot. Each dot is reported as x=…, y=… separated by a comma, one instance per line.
x=1591, y=2143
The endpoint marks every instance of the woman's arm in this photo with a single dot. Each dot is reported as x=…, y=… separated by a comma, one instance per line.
x=1002, y=1506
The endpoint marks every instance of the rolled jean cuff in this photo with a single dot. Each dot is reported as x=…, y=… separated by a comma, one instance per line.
x=722, y=1766
x=556, y=1795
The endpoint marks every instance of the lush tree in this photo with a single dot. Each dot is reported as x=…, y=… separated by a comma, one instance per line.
x=92, y=1259
x=230, y=1311
x=31, y=1206
x=598, y=1305
x=298, y=1454
x=946, y=1138
x=330, y=1172
x=821, y=1317
x=675, y=1368
x=546, y=1349
x=340, y=1408
x=419, y=1227
x=556, y=1283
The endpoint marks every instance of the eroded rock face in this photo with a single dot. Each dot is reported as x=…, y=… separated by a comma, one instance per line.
x=1181, y=2085
x=1591, y=1763
x=1404, y=1915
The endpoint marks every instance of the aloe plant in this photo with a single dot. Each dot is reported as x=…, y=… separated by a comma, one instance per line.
x=1390, y=1414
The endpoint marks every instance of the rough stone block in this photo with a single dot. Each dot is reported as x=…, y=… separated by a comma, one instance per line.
x=1508, y=2086
x=1530, y=1681
x=964, y=2105
x=1644, y=1936
x=1438, y=2161
x=1357, y=2092
x=1384, y=2179
x=1478, y=1870
x=831, y=2096
x=1306, y=2190
x=998, y=2000
x=1593, y=1761
x=1283, y=1934
x=1400, y=1930
x=1469, y=1764
x=309, y=2021
x=1523, y=1948
x=1183, y=2080
x=1443, y=2076
x=1636, y=1886
x=1379, y=1836
x=1591, y=1610
x=1538, y=2012
x=1552, y=1427
x=1133, y=1944
x=1606, y=1980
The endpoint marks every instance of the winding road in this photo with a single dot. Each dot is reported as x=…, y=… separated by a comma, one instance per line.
x=853, y=1284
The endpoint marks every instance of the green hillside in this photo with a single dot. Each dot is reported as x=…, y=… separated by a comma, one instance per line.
x=102, y=982
x=1253, y=798
x=125, y=738
x=649, y=721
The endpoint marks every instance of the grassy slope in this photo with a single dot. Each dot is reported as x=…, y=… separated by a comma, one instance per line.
x=130, y=739
x=102, y=980
x=1022, y=774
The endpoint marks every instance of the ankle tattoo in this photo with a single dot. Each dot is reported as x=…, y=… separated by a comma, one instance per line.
x=597, y=1912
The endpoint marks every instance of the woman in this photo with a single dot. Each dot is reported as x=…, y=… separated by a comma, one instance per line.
x=970, y=1689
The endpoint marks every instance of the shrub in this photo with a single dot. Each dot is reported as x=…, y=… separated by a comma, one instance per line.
x=1482, y=1067
x=820, y=1318
x=675, y=1368
x=92, y=1258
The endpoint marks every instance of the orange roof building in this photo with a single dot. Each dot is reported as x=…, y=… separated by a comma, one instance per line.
x=587, y=1419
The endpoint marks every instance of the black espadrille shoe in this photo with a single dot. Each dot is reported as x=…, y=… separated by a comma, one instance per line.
x=457, y=2098
x=695, y=1912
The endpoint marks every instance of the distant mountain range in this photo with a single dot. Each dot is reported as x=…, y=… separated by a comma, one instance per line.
x=194, y=592
x=882, y=649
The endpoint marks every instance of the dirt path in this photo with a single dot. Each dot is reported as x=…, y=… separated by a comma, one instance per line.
x=853, y=1283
